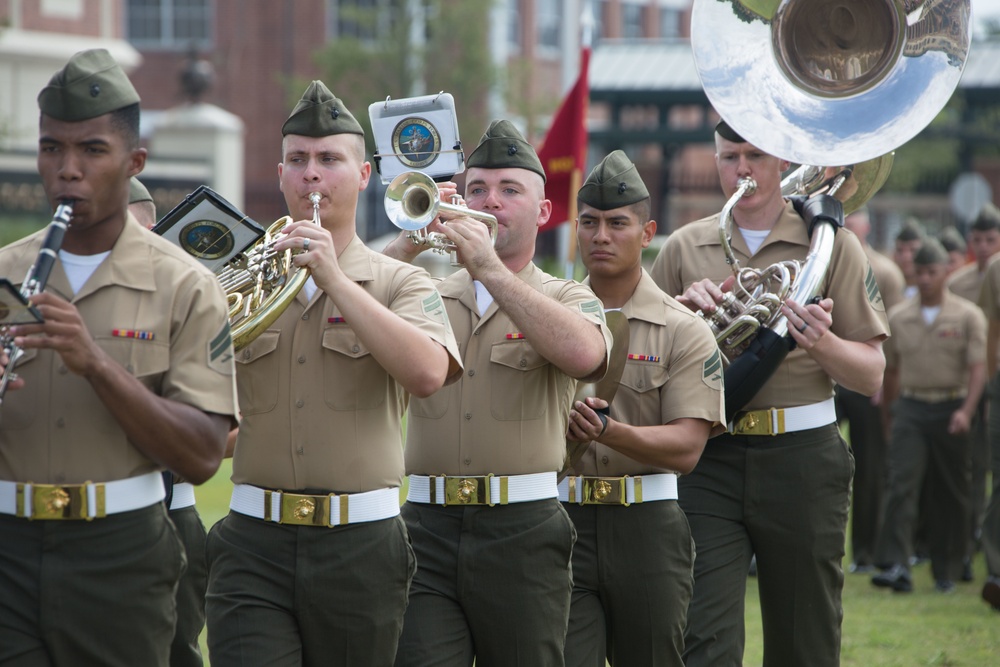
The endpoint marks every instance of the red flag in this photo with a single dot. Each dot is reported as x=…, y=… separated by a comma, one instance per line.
x=564, y=151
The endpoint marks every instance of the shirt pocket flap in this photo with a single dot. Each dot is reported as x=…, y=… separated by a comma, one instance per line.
x=263, y=345
x=344, y=341
x=517, y=355
x=641, y=377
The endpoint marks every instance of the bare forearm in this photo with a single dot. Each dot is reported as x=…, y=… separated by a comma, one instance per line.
x=858, y=366
x=418, y=363
x=402, y=249
x=977, y=382
x=178, y=436
x=674, y=446
x=563, y=337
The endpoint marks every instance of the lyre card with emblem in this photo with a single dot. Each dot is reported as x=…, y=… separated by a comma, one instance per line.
x=209, y=228
x=417, y=134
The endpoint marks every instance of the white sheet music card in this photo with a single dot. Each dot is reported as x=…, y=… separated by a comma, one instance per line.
x=417, y=134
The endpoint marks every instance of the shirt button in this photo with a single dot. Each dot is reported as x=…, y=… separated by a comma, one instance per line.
x=63, y=370
x=60, y=422
x=468, y=415
x=302, y=360
x=476, y=332
x=129, y=368
x=523, y=363
x=355, y=349
x=472, y=371
x=305, y=316
x=60, y=478
x=604, y=459
x=246, y=354
x=639, y=383
x=300, y=449
x=299, y=403
x=467, y=462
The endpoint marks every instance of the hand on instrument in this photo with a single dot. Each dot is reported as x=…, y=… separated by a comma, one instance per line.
x=448, y=190
x=475, y=246
x=63, y=331
x=14, y=382
x=315, y=250
x=808, y=324
x=585, y=424
x=704, y=294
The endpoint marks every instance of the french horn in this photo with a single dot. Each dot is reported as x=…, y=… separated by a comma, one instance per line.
x=816, y=82
x=413, y=201
x=261, y=283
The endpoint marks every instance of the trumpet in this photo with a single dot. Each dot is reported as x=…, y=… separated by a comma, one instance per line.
x=413, y=201
x=260, y=283
x=34, y=283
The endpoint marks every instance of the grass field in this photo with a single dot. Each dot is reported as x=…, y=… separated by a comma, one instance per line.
x=881, y=629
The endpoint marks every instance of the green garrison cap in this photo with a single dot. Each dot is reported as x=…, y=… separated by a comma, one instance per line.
x=912, y=230
x=931, y=252
x=952, y=240
x=729, y=133
x=988, y=218
x=319, y=114
x=91, y=84
x=503, y=146
x=613, y=183
x=137, y=192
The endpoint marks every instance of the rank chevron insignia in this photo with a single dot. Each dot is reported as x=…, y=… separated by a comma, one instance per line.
x=712, y=371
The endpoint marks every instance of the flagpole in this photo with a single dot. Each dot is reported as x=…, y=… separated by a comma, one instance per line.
x=576, y=178
x=574, y=186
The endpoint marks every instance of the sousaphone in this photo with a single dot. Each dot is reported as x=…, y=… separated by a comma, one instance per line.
x=817, y=82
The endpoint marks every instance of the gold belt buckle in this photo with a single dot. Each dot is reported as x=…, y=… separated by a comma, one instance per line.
x=604, y=491
x=467, y=490
x=299, y=509
x=55, y=502
x=758, y=422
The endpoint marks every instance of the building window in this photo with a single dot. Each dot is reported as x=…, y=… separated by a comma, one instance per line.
x=172, y=24
x=365, y=20
x=601, y=11
x=670, y=22
x=632, y=21
x=514, y=25
x=549, y=17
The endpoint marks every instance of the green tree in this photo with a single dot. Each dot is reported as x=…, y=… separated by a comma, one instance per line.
x=382, y=61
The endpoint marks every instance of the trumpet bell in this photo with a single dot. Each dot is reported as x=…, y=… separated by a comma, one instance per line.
x=411, y=201
x=829, y=81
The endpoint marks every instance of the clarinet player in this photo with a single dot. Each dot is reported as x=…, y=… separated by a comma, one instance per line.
x=131, y=373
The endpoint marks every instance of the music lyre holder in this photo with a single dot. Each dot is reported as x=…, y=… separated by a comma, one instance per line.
x=209, y=228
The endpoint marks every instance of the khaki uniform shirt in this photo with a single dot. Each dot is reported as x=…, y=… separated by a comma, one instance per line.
x=989, y=291
x=889, y=277
x=936, y=356
x=694, y=252
x=967, y=281
x=153, y=310
x=508, y=414
x=319, y=411
x=674, y=371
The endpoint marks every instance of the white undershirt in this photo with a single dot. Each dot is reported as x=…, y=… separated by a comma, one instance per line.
x=483, y=297
x=753, y=238
x=309, y=288
x=930, y=313
x=79, y=268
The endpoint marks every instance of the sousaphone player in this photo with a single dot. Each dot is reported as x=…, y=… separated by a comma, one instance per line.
x=778, y=483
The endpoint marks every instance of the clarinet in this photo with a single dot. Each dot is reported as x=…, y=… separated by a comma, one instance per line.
x=34, y=283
